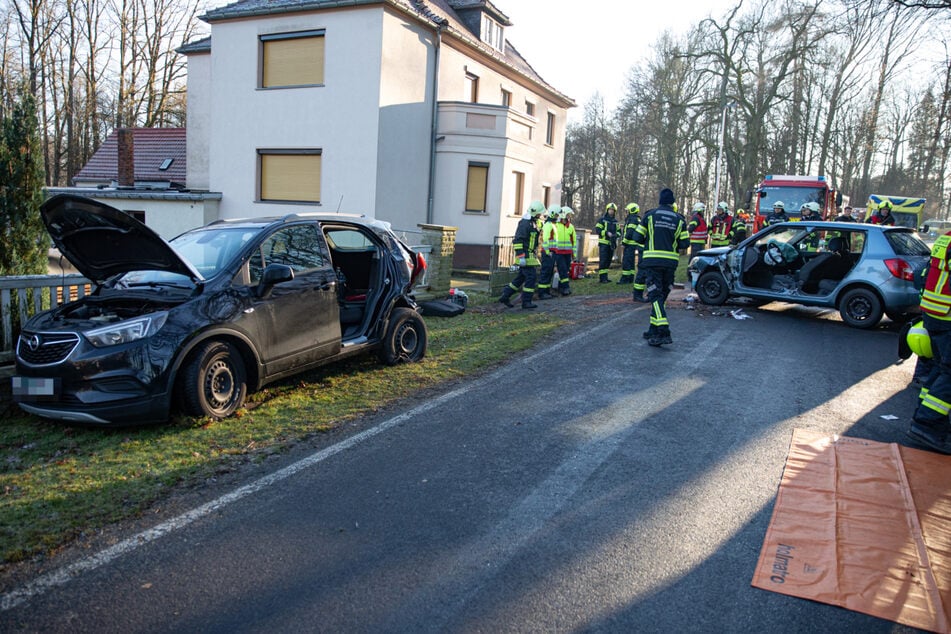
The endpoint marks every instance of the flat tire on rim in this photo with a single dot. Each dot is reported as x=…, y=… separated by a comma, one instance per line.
x=405, y=339
x=711, y=288
x=214, y=382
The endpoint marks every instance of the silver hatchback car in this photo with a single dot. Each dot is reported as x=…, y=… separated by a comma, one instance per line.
x=862, y=270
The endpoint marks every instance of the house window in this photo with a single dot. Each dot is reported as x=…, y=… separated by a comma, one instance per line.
x=546, y=195
x=519, y=191
x=506, y=98
x=289, y=175
x=550, y=129
x=292, y=59
x=492, y=32
x=472, y=88
x=477, y=187
x=530, y=108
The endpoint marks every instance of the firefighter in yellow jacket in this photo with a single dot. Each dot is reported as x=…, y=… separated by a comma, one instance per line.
x=930, y=424
x=548, y=240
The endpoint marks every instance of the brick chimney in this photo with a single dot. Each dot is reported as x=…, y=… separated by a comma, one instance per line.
x=126, y=160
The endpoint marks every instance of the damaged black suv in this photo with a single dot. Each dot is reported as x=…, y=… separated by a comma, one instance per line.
x=217, y=311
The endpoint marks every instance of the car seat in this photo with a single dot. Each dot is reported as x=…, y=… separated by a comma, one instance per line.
x=828, y=265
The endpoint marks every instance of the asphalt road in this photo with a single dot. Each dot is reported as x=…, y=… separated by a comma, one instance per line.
x=595, y=485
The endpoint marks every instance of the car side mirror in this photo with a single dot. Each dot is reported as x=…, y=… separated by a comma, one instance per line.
x=274, y=274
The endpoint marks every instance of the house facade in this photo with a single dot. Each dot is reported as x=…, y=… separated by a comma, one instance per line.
x=410, y=111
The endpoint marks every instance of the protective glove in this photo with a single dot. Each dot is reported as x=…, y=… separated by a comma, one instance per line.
x=522, y=261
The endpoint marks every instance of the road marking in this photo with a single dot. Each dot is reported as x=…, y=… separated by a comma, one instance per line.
x=63, y=575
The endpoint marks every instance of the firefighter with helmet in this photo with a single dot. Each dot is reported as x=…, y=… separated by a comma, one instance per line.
x=565, y=250
x=629, y=256
x=547, y=240
x=930, y=423
x=525, y=243
x=740, y=227
x=809, y=212
x=778, y=215
x=721, y=227
x=606, y=228
x=663, y=234
x=883, y=215
x=698, y=229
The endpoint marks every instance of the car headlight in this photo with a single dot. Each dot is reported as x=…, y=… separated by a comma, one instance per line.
x=126, y=331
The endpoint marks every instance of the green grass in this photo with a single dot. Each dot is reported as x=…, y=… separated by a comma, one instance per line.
x=60, y=482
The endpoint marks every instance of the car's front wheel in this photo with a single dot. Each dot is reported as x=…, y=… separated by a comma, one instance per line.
x=712, y=289
x=214, y=383
x=861, y=308
x=405, y=339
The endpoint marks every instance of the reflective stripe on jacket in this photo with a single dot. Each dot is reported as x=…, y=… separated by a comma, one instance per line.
x=936, y=298
x=698, y=229
x=720, y=228
x=662, y=233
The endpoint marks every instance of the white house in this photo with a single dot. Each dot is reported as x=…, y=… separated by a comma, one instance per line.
x=328, y=105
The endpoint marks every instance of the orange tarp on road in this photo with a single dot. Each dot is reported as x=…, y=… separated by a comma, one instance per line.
x=862, y=525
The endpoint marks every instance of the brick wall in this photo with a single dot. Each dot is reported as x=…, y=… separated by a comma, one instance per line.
x=442, y=239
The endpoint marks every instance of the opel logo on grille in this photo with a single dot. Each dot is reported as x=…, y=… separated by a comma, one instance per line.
x=34, y=343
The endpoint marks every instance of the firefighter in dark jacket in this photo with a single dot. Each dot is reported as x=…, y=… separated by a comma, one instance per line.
x=929, y=424
x=525, y=243
x=629, y=257
x=607, y=241
x=778, y=215
x=662, y=233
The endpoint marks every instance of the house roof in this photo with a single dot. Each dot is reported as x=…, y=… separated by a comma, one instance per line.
x=428, y=11
x=152, y=147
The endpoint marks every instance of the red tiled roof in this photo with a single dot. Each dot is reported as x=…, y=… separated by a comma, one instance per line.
x=152, y=147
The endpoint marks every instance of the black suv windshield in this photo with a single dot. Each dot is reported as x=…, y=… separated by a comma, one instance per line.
x=211, y=249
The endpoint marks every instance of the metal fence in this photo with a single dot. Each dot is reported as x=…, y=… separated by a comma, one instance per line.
x=502, y=257
x=22, y=296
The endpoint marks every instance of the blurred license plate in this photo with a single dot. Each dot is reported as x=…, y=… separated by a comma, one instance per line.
x=30, y=388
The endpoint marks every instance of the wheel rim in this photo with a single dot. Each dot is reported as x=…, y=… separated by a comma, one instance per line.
x=860, y=308
x=711, y=287
x=219, y=386
x=407, y=340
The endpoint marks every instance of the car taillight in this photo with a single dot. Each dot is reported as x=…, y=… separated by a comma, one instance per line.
x=418, y=270
x=900, y=269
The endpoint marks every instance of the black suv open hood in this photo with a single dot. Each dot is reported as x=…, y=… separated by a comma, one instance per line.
x=101, y=241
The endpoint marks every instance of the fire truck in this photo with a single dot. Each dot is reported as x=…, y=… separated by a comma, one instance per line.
x=793, y=191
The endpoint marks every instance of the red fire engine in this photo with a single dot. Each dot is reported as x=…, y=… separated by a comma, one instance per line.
x=793, y=191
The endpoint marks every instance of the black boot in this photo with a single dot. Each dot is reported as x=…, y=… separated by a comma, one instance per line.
x=625, y=279
x=604, y=279
x=527, y=305
x=545, y=295
x=504, y=299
